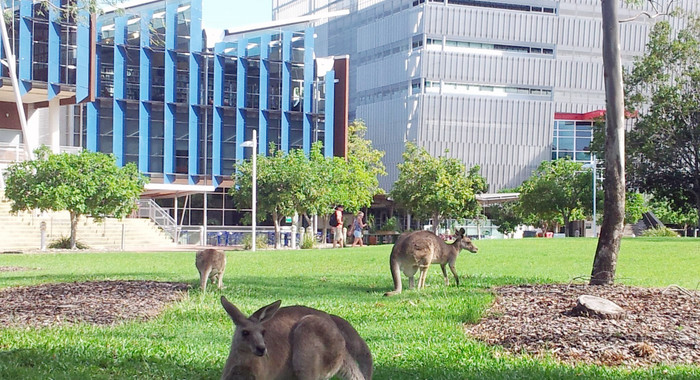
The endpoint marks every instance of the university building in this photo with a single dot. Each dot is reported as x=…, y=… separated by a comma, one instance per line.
x=503, y=84
x=157, y=89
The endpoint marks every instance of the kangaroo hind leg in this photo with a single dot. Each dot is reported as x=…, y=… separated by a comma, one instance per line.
x=423, y=275
x=203, y=278
x=318, y=348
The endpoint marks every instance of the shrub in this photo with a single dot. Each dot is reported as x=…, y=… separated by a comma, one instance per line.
x=261, y=241
x=63, y=242
x=660, y=232
x=391, y=224
x=308, y=242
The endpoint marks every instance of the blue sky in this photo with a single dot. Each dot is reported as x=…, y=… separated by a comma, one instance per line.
x=229, y=14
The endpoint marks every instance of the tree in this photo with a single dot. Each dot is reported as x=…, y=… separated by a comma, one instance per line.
x=437, y=187
x=635, y=207
x=279, y=180
x=506, y=215
x=293, y=182
x=664, y=87
x=560, y=188
x=611, y=230
x=88, y=183
x=669, y=214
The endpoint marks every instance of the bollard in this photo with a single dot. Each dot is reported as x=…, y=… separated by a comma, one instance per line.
x=42, y=228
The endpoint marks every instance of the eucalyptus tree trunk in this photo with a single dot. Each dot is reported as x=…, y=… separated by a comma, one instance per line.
x=614, y=212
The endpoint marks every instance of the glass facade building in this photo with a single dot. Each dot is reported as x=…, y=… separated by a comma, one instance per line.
x=54, y=63
x=179, y=105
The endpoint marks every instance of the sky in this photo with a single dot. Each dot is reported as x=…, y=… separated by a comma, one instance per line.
x=231, y=14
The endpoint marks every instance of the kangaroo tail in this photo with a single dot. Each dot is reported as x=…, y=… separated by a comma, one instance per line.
x=395, y=274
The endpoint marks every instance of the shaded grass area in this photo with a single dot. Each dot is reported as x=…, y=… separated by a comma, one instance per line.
x=415, y=335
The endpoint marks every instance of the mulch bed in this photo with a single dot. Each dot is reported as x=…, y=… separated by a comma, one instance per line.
x=660, y=326
x=98, y=302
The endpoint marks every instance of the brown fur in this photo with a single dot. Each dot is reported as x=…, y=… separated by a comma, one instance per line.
x=210, y=263
x=418, y=249
x=294, y=342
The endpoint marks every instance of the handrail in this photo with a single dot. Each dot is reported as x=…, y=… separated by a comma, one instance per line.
x=150, y=209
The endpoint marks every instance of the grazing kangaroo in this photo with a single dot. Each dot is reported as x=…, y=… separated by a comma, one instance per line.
x=419, y=249
x=294, y=342
x=210, y=263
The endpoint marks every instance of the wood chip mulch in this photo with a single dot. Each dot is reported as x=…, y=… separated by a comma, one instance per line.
x=97, y=302
x=660, y=325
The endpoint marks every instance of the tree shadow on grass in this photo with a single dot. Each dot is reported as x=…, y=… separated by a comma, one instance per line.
x=93, y=363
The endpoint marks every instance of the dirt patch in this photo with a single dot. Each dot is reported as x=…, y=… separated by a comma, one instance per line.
x=661, y=325
x=98, y=302
x=14, y=269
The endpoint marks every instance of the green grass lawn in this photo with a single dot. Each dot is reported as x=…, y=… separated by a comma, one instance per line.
x=415, y=335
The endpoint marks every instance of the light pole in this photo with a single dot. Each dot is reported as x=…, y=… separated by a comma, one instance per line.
x=594, y=166
x=253, y=144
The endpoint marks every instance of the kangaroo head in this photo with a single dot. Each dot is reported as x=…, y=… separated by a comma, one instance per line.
x=464, y=241
x=250, y=332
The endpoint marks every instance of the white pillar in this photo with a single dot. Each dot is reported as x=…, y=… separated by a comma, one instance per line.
x=53, y=134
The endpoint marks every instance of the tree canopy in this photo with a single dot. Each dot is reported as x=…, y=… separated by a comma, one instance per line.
x=289, y=183
x=437, y=187
x=664, y=88
x=88, y=183
x=558, y=189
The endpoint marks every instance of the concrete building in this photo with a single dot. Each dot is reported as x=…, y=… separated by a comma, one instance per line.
x=503, y=84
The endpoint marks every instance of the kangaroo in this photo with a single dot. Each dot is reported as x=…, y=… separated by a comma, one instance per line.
x=419, y=249
x=294, y=342
x=210, y=263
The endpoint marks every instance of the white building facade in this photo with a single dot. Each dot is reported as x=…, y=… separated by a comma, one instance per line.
x=485, y=80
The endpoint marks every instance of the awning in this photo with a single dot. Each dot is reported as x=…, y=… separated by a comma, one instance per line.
x=496, y=198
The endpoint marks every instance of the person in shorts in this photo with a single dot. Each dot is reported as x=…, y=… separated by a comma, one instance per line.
x=357, y=226
x=338, y=236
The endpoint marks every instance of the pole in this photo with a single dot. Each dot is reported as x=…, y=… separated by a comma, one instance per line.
x=255, y=185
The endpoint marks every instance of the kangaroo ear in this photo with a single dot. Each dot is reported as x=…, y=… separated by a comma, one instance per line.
x=266, y=312
x=462, y=231
x=236, y=316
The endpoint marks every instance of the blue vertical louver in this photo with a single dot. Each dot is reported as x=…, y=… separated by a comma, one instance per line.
x=194, y=88
x=286, y=88
x=145, y=92
x=54, y=77
x=83, y=56
x=119, y=105
x=264, y=89
x=329, y=113
x=169, y=109
x=218, y=122
x=309, y=91
x=26, y=41
x=242, y=74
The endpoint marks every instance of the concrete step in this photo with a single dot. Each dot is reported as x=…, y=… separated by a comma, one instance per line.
x=23, y=231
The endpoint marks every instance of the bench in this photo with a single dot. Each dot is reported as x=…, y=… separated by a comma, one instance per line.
x=381, y=237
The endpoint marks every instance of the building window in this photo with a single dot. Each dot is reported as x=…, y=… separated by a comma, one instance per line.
x=502, y=5
x=572, y=139
x=470, y=47
x=480, y=89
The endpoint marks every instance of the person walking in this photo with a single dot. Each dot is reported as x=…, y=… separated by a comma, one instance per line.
x=338, y=236
x=357, y=226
